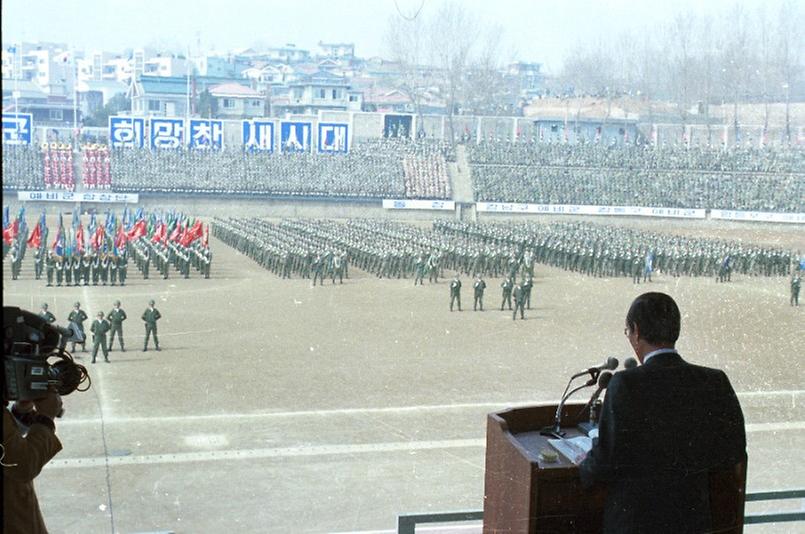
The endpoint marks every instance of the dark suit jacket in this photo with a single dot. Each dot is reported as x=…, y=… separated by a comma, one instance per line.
x=664, y=426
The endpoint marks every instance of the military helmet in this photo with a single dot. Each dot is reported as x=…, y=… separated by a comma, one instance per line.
x=117, y=303
x=151, y=302
x=100, y=314
x=44, y=305
x=77, y=304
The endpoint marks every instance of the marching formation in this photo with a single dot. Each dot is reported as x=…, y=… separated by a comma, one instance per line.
x=391, y=249
x=100, y=256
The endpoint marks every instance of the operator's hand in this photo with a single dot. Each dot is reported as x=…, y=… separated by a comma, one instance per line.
x=50, y=406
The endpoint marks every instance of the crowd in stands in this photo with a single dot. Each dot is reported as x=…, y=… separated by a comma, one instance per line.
x=769, y=179
x=95, y=172
x=372, y=169
x=57, y=161
x=22, y=168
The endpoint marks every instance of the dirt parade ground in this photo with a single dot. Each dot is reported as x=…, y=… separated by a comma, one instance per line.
x=278, y=407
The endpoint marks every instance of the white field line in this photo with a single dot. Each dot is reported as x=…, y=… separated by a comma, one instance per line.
x=317, y=450
x=366, y=411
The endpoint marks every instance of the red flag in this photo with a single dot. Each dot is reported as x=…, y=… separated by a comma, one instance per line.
x=121, y=238
x=35, y=239
x=79, y=238
x=10, y=233
x=160, y=234
x=206, y=241
x=97, y=239
x=138, y=230
x=192, y=234
x=175, y=234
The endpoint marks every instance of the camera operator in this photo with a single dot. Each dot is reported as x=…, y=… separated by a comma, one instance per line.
x=29, y=442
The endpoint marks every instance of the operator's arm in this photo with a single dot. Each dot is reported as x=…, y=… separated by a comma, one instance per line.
x=24, y=457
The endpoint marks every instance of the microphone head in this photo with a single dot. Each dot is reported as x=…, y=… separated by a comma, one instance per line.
x=603, y=380
x=612, y=363
x=630, y=363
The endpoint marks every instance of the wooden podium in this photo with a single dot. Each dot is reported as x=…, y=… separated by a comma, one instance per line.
x=523, y=493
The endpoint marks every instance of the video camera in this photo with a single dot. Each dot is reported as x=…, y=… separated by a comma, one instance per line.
x=29, y=341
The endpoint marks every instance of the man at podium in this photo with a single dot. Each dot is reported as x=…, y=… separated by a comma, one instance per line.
x=664, y=427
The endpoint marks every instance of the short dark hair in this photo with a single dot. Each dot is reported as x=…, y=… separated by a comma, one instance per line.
x=657, y=318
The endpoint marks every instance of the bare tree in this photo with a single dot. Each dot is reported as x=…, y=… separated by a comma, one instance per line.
x=406, y=43
x=453, y=34
x=788, y=57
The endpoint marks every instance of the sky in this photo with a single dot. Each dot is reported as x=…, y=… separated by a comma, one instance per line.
x=533, y=30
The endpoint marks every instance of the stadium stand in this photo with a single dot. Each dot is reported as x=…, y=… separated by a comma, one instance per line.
x=770, y=179
x=22, y=168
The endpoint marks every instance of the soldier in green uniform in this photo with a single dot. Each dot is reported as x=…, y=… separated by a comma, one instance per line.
x=122, y=268
x=46, y=315
x=506, y=285
x=50, y=265
x=38, y=263
x=796, y=283
x=96, y=267
x=113, y=271
x=86, y=268
x=59, y=270
x=150, y=316
x=16, y=261
x=77, y=271
x=104, y=268
x=78, y=316
x=99, y=328
x=116, y=318
x=479, y=286
x=455, y=292
x=68, y=270
x=519, y=300
x=528, y=284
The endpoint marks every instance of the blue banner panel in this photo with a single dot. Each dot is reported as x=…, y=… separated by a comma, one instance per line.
x=258, y=135
x=333, y=138
x=126, y=132
x=167, y=133
x=206, y=134
x=17, y=128
x=295, y=136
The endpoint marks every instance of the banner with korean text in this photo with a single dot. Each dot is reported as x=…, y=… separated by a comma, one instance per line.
x=70, y=196
x=399, y=204
x=573, y=209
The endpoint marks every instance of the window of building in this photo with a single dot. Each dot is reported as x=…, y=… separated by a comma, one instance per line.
x=56, y=115
x=322, y=93
x=256, y=103
x=335, y=94
x=154, y=105
x=229, y=103
x=353, y=98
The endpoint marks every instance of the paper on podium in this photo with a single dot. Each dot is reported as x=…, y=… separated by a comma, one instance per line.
x=574, y=449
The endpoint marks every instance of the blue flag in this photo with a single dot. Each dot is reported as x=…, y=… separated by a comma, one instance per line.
x=42, y=220
x=6, y=218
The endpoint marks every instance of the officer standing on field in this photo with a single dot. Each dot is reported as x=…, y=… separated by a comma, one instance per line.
x=519, y=300
x=46, y=315
x=455, y=292
x=150, y=316
x=78, y=316
x=116, y=318
x=99, y=328
x=479, y=286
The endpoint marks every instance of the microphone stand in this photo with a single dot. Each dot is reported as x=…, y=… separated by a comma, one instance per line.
x=556, y=430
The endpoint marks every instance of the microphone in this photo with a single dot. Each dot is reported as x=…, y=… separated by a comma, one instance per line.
x=556, y=429
x=594, y=403
x=610, y=365
x=630, y=363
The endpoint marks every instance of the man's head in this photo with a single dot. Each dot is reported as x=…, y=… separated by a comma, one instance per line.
x=117, y=304
x=44, y=306
x=77, y=305
x=652, y=322
x=100, y=315
x=151, y=303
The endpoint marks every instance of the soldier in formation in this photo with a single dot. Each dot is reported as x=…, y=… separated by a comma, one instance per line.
x=455, y=292
x=479, y=287
x=99, y=328
x=116, y=318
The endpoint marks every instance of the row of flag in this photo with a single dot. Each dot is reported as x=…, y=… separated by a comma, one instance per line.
x=112, y=235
